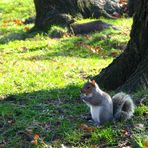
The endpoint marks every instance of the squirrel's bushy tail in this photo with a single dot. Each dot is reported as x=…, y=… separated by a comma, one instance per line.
x=123, y=106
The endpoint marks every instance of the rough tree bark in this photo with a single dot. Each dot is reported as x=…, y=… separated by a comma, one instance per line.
x=132, y=6
x=49, y=12
x=129, y=72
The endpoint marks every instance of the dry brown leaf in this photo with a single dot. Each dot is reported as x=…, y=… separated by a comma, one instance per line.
x=91, y=48
x=35, y=139
x=114, y=54
x=35, y=142
x=121, y=145
x=23, y=49
x=11, y=121
x=18, y=22
x=123, y=1
x=87, y=128
x=93, y=146
x=7, y=21
x=26, y=28
x=36, y=136
x=146, y=144
x=87, y=36
x=66, y=34
x=126, y=133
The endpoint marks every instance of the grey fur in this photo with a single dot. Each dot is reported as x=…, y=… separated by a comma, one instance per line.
x=123, y=106
x=103, y=100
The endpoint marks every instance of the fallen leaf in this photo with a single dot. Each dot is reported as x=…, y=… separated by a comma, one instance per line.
x=121, y=145
x=35, y=142
x=18, y=22
x=26, y=28
x=91, y=48
x=94, y=49
x=114, y=54
x=126, y=133
x=93, y=146
x=35, y=139
x=87, y=128
x=7, y=21
x=36, y=136
x=146, y=144
x=66, y=34
x=11, y=121
x=23, y=49
x=123, y=1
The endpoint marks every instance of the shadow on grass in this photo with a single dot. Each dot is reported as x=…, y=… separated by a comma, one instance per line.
x=21, y=35
x=59, y=109
x=71, y=91
x=56, y=115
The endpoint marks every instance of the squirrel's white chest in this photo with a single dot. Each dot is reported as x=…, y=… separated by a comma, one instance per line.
x=95, y=113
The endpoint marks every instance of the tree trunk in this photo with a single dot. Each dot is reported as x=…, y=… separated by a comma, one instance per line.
x=41, y=5
x=49, y=12
x=62, y=12
x=129, y=72
x=132, y=6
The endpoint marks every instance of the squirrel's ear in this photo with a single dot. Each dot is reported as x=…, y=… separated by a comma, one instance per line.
x=93, y=82
x=89, y=81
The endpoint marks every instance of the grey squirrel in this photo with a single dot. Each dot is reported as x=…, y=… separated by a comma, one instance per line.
x=103, y=108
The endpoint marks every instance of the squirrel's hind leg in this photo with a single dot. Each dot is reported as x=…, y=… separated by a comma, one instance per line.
x=121, y=116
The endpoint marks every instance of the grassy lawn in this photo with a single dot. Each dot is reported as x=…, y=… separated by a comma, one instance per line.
x=40, y=81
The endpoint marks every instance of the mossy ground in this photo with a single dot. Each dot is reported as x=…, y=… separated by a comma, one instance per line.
x=40, y=81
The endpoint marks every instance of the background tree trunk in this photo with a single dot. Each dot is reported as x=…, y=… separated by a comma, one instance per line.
x=132, y=6
x=129, y=72
x=61, y=12
x=42, y=8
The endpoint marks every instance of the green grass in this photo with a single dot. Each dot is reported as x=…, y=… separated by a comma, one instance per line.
x=41, y=77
